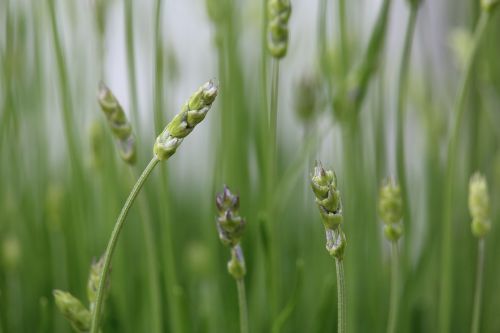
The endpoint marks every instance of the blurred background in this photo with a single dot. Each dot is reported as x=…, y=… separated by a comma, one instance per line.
x=62, y=182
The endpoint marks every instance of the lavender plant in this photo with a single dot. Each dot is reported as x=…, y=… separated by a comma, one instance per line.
x=391, y=213
x=327, y=197
x=192, y=113
x=479, y=207
x=230, y=226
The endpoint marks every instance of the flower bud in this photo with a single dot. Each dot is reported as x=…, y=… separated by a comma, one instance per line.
x=278, y=15
x=324, y=186
x=73, y=310
x=192, y=113
x=391, y=210
x=230, y=224
x=479, y=205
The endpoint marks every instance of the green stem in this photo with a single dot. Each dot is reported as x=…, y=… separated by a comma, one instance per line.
x=242, y=300
x=344, y=51
x=394, y=297
x=402, y=87
x=341, y=301
x=479, y=287
x=129, y=35
x=273, y=120
x=446, y=243
x=152, y=265
x=113, y=241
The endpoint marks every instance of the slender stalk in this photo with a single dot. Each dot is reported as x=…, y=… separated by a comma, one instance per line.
x=129, y=35
x=344, y=51
x=114, y=239
x=341, y=301
x=394, y=297
x=458, y=111
x=273, y=118
x=479, y=287
x=152, y=265
x=242, y=300
x=402, y=87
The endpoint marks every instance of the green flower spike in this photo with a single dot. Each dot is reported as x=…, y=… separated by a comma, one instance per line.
x=192, y=113
x=117, y=120
x=230, y=226
x=71, y=308
x=479, y=205
x=327, y=196
x=278, y=15
x=391, y=210
x=93, y=281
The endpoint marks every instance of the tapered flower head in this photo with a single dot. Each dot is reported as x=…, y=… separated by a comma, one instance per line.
x=192, y=113
x=71, y=308
x=390, y=206
x=278, y=15
x=479, y=205
x=324, y=186
x=230, y=224
x=118, y=122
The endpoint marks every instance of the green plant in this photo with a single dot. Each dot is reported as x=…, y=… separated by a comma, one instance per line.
x=230, y=226
x=192, y=113
x=324, y=186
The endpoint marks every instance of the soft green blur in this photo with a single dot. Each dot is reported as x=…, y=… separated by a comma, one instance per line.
x=62, y=181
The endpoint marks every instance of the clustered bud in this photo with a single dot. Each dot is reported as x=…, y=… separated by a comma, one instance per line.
x=192, y=113
x=278, y=15
x=390, y=207
x=230, y=226
x=479, y=205
x=307, y=98
x=120, y=126
x=327, y=197
x=71, y=308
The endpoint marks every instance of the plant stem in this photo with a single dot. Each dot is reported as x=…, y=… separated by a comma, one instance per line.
x=458, y=111
x=129, y=35
x=113, y=241
x=400, y=118
x=273, y=119
x=394, y=297
x=242, y=300
x=152, y=265
x=479, y=287
x=344, y=51
x=341, y=301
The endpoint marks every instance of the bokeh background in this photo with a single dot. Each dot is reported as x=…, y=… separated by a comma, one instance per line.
x=62, y=182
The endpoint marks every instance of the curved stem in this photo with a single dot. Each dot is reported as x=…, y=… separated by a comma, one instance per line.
x=400, y=117
x=458, y=110
x=113, y=241
x=394, y=297
x=479, y=287
x=152, y=264
x=242, y=300
x=341, y=301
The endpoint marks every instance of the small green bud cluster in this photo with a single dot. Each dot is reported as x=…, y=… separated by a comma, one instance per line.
x=307, y=98
x=327, y=197
x=390, y=208
x=72, y=308
x=489, y=5
x=479, y=205
x=230, y=226
x=192, y=113
x=278, y=15
x=120, y=126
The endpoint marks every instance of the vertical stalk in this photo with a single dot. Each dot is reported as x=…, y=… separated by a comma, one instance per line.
x=476, y=312
x=273, y=120
x=242, y=301
x=446, y=242
x=113, y=241
x=402, y=87
x=344, y=51
x=394, y=297
x=132, y=79
x=341, y=300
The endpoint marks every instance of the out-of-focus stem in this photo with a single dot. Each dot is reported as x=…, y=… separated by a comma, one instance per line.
x=341, y=301
x=394, y=297
x=476, y=314
x=132, y=80
x=242, y=300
